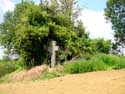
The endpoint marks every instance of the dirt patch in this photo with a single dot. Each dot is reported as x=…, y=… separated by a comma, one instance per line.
x=103, y=82
x=29, y=74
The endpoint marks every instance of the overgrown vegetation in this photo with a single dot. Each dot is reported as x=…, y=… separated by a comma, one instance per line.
x=96, y=63
x=7, y=67
x=99, y=62
x=29, y=30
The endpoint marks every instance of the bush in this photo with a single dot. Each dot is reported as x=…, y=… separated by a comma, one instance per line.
x=20, y=64
x=112, y=61
x=121, y=63
x=7, y=67
x=97, y=62
x=84, y=66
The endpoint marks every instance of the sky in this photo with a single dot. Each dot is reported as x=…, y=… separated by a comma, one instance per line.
x=92, y=16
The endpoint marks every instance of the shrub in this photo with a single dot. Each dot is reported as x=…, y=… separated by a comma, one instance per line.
x=20, y=64
x=121, y=63
x=112, y=61
x=95, y=63
x=84, y=66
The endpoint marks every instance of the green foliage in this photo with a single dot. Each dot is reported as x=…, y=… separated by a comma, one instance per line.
x=121, y=64
x=7, y=67
x=96, y=63
x=20, y=64
x=50, y=75
x=115, y=13
x=114, y=62
x=29, y=30
x=84, y=66
x=109, y=59
x=6, y=31
x=101, y=45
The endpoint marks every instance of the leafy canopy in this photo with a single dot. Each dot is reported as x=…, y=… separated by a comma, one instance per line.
x=115, y=13
x=29, y=30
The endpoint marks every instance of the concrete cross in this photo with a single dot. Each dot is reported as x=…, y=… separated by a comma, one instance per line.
x=53, y=53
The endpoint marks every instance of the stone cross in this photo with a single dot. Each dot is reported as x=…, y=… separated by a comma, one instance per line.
x=53, y=54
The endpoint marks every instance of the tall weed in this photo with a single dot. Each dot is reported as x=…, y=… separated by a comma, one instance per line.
x=95, y=63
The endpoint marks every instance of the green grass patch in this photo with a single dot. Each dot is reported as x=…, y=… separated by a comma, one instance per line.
x=7, y=67
x=48, y=75
x=112, y=61
x=86, y=66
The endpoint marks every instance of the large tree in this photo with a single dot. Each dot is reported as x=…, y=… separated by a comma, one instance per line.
x=30, y=28
x=115, y=13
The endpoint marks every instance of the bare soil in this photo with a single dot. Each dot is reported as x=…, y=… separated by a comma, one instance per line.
x=102, y=82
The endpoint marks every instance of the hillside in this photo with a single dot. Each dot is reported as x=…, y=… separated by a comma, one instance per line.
x=103, y=82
